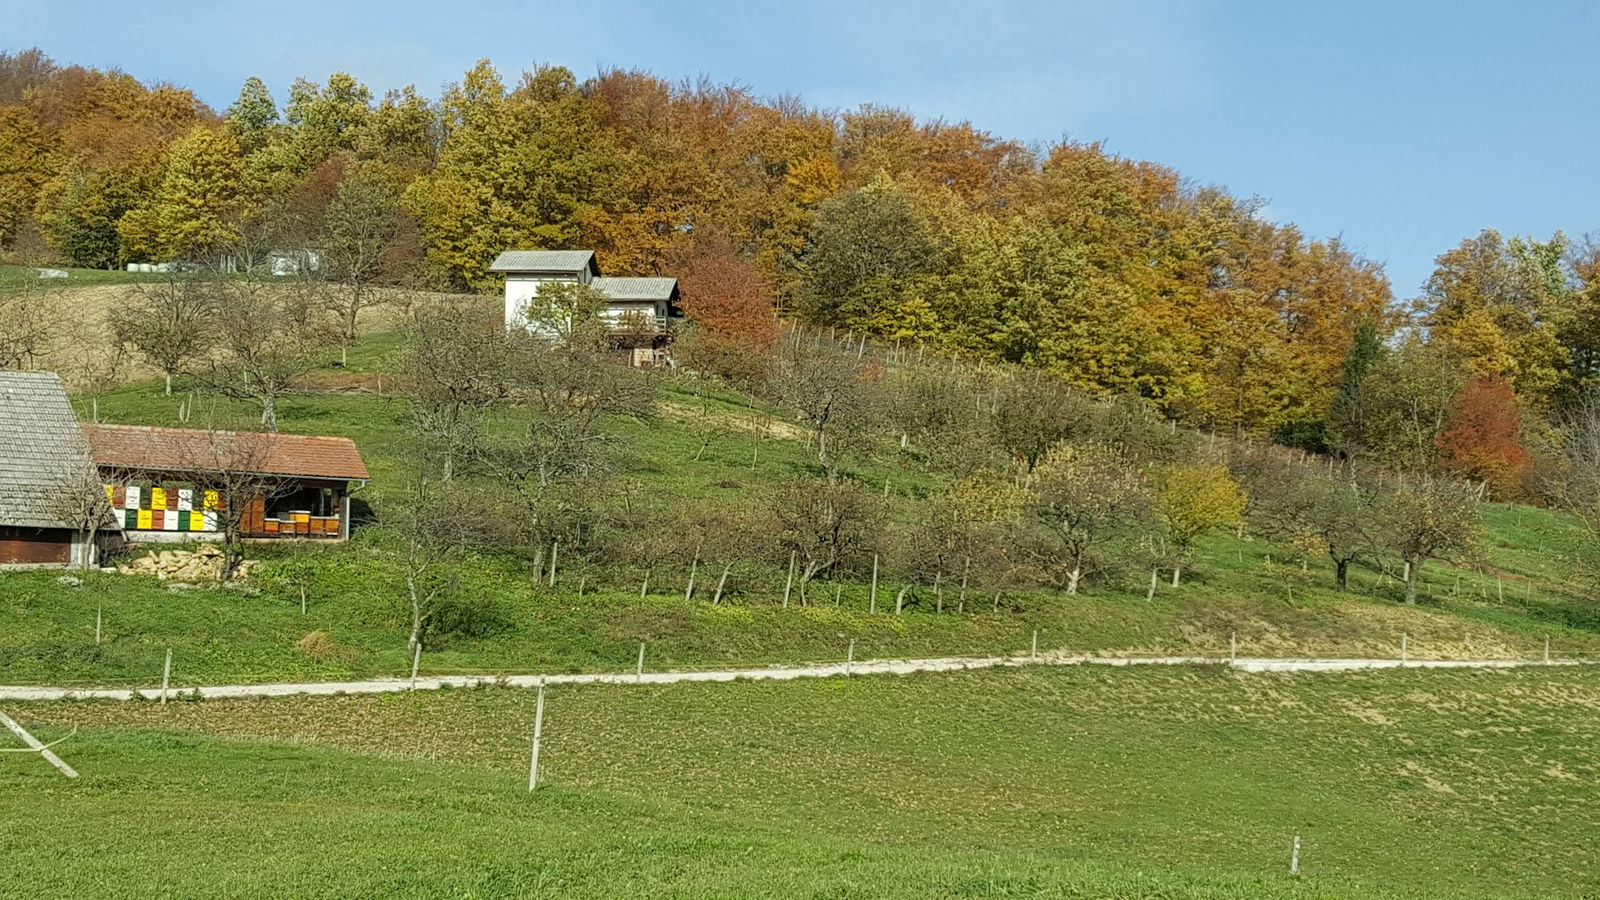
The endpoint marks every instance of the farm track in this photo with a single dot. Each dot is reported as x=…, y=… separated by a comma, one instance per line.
x=777, y=673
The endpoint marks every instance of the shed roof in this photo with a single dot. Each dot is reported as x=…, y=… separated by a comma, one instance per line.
x=42, y=453
x=138, y=447
x=549, y=261
x=637, y=288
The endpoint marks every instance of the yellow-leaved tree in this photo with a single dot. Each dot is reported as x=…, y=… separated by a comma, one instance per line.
x=1196, y=499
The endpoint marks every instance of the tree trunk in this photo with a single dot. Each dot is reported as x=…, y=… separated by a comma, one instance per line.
x=1072, y=578
x=1177, y=569
x=269, y=413
x=169, y=384
x=1341, y=573
x=1411, y=583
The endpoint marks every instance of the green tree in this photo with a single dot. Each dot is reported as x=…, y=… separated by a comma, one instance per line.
x=1347, y=418
x=868, y=247
x=253, y=116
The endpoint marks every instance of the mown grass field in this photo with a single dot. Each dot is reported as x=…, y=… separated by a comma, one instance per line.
x=1525, y=585
x=1075, y=782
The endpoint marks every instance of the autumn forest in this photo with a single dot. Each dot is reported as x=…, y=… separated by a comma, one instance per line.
x=1119, y=276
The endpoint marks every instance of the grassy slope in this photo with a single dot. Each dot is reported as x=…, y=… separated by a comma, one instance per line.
x=1062, y=782
x=1254, y=588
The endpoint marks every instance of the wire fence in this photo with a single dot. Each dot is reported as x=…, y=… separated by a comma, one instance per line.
x=192, y=668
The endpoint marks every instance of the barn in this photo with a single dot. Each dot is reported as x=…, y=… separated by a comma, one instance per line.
x=47, y=479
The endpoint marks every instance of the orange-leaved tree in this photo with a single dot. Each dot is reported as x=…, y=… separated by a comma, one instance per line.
x=729, y=304
x=1484, y=438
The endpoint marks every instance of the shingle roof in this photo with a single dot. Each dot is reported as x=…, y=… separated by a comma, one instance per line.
x=545, y=261
x=637, y=288
x=183, y=450
x=42, y=453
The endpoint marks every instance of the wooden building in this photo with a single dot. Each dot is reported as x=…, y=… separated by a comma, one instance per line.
x=174, y=484
x=640, y=310
x=47, y=518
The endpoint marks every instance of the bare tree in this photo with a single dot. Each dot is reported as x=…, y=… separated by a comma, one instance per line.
x=1574, y=483
x=265, y=342
x=824, y=524
x=1032, y=413
x=82, y=501
x=30, y=324
x=835, y=394
x=566, y=395
x=171, y=323
x=360, y=230
x=231, y=485
x=1319, y=511
x=454, y=363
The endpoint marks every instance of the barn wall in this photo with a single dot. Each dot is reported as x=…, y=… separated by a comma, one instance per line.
x=35, y=546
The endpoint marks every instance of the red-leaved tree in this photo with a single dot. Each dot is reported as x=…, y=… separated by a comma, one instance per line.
x=734, y=331
x=1484, y=437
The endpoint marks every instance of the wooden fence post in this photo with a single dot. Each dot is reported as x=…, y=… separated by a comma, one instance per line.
x=538, y=729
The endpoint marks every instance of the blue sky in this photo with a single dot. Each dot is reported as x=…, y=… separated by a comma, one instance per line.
x=1402, y=126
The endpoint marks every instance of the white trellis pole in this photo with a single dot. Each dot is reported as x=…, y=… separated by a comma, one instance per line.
x=35, y=746
x=638, y=674
x=166, y=676
x=538, y=729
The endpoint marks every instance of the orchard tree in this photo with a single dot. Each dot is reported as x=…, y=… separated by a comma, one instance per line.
x=265, y=343
x=1426, y=519
x=454, y=360
x=171, y=323
x=825, y=525
x=1085, y=497
x=1195, y=499
x=833, y=392
x=1319, y=511
x=361, y=227
x=1032, y=413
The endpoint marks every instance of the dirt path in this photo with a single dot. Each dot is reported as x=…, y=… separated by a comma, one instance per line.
x=826, y=670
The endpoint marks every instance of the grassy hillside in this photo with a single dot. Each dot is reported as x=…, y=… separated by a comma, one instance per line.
x=711, y=447
x=1039, y=783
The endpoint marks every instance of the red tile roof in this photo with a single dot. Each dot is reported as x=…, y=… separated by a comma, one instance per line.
x=186, y=450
